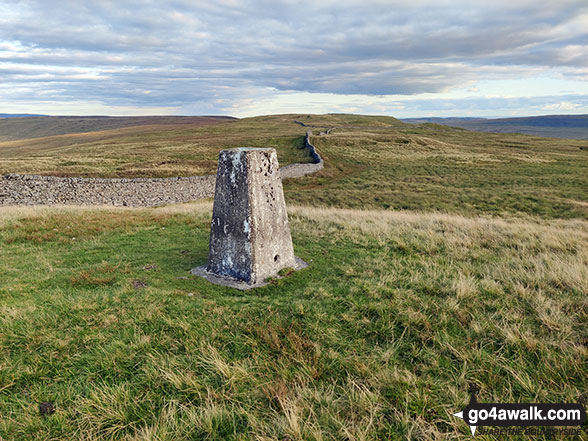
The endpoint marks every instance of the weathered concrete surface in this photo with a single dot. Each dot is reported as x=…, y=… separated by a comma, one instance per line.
x=230, y=252
x=202, y=271
x=249, y=236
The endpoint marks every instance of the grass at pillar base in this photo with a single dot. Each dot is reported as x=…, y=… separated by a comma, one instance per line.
x=202, y=271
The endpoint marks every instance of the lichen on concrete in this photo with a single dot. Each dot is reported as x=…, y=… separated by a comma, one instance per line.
x=250, y=237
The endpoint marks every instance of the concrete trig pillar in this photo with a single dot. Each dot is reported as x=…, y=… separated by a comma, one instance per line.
x=249, y=237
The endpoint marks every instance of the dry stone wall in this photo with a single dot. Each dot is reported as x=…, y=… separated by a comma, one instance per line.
x=299, y=170
x=141, y=192
x=50, y=190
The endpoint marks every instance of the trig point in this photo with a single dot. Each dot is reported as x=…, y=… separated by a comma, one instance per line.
x=249, y=236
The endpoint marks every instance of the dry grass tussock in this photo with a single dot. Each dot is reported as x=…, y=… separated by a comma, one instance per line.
x=68, y=224
x=14, y=213
x=530, y=252
x=456, y=230
x=383, y=222
x=352, y=218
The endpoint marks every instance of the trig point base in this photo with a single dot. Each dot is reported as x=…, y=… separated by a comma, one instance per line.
x=249, y=236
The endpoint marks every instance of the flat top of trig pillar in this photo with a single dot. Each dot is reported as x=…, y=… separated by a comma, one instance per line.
x=250, y=149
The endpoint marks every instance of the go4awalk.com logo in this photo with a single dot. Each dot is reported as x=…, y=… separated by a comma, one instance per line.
x=523, y=414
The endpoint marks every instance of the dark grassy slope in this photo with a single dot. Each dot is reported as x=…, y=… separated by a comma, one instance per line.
x=557, y=126
x=30, y=127
x=150, y=151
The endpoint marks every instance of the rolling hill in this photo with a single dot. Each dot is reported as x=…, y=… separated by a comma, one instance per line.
x=555, y=126
x=19, y=115
x=375, y=162
x=439, y=258
x=16, y=128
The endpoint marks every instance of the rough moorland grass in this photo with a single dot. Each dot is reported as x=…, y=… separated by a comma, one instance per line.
x=454, y=171
x=377, y=339
x=150, y=151
x=371, y=162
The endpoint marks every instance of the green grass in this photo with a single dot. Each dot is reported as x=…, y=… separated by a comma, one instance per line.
x=371, y=162
x=454, y=171
x=151, y=151
x=377, y=339
x=438, y=258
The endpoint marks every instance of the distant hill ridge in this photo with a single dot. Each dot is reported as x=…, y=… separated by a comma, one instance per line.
x=25, y=127
x=555, y=126
x=18, y=115
x=28, y=126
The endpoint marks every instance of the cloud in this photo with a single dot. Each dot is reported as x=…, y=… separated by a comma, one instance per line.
x=177, y=53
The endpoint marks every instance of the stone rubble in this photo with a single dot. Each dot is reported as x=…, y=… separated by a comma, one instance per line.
x=142, y=192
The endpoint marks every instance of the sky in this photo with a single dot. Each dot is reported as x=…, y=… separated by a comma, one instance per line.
x=414, y=58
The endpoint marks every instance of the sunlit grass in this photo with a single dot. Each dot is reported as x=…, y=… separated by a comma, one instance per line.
x=370, y=162
x=377, y=339
x=426, y=168
x=438, y=258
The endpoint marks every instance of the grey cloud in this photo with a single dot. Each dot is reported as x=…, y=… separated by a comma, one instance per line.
x=176, y=52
